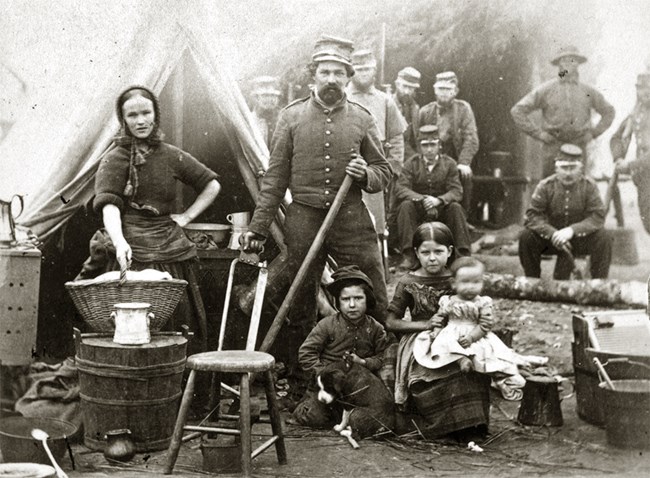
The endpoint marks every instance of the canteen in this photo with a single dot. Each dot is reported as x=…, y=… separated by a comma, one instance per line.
x=132, y=320
x=239, y=219
x=7, y=221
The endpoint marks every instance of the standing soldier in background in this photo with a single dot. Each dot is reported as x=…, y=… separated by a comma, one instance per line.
x=390, y=123
x=406, y=86
x=456, y=128
x=637, y=124
x=566, y=106
x=266, y=94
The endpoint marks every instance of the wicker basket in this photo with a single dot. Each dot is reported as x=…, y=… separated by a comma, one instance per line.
x=95, y=300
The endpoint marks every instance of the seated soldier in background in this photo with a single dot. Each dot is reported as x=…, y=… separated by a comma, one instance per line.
x=429, y=190
x=566, y=218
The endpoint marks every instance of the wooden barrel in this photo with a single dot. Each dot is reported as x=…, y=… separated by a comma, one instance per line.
x=130, y=386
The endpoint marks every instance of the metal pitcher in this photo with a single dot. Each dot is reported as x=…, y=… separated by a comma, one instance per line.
x=7, y=224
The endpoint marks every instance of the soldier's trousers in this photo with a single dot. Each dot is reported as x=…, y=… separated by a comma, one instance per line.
x=411, y=214
x=351, y=240
x=597, y=245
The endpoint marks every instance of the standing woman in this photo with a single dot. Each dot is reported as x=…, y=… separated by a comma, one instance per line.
x=135, y=193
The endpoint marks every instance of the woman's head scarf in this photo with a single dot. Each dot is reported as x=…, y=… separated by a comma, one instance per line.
x=137, y=146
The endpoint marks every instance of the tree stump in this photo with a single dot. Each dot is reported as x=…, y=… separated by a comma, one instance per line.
x=540, y=404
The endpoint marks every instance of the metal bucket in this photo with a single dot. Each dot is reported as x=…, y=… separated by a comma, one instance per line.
x=18, y=445
x=130, y=386
x=221, y=455
x=627, y=413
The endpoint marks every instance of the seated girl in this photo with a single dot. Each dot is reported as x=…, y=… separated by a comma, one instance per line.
x=466, y=339
x=445, y=398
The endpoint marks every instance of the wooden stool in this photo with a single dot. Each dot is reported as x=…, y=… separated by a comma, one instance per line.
x=242, y=363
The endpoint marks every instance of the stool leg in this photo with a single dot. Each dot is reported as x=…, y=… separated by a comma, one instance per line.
x=276, y=419
x=245, y=424
x=175, y=444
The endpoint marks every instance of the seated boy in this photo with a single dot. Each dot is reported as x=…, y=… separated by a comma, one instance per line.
x=350, y=332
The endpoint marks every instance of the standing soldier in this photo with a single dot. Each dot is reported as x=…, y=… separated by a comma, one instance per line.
x=637, y=124
x=566, y=106
x=318, y=141
x=390, y=123
x=266, y=93
x=406, y=87
x=456, y=128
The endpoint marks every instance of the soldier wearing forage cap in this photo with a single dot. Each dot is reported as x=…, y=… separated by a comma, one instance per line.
x=637, y=124
x=390, y=122
x=457, y=128
x=407, y=84
x=429, y=190
x=566, y=105
x=266, y=94
x=317, y=142
x=566, y=217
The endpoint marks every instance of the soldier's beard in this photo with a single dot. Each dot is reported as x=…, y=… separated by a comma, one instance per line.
x=330, y=94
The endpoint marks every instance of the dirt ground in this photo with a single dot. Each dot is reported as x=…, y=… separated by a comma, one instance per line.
x=574, y=449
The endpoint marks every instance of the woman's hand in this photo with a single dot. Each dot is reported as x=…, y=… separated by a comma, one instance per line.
x=123, y=254
x=180, y=219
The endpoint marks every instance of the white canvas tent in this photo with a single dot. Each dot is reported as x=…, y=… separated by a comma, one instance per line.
x=51, y=157
x=52, y=160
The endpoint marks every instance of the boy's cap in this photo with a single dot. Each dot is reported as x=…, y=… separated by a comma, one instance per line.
x=569, y=152
x=427, y=132
x=347, y=274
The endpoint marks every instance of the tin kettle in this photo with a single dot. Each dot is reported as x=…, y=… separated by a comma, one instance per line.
x=7, y=224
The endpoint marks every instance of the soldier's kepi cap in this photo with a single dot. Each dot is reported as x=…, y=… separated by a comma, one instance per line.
x=266, y=85
x=329, y=48
x=409, y=76
x=569, y=153
x=569, y=50
x=447, y=79
x=428, y=132
x=364, y=59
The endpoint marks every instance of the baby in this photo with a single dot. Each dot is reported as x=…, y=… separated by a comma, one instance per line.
x=468, y=342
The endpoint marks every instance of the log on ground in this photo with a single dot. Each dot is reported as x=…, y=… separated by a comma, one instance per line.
x=607, y=292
